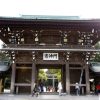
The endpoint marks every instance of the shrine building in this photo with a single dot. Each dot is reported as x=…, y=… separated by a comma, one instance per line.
x=66, y=43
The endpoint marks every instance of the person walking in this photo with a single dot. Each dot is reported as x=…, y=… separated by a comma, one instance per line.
x=36, y=90
x=77, y=88
x=60, y=88
x=98, y=88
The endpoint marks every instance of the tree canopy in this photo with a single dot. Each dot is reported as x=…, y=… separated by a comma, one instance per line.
x=97, y=56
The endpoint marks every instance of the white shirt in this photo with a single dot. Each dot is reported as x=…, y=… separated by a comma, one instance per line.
x=77, y=86
x=59, y=85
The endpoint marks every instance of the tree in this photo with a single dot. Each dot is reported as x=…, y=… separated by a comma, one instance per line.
x=3, y=56
x=42, y=74
x=57, y=73
x=97, y=56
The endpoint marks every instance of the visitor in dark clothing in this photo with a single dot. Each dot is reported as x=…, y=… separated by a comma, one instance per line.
x=36, y=90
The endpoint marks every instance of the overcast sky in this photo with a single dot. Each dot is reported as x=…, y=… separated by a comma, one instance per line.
x=82, y=8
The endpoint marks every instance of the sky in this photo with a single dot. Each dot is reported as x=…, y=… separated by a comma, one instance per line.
x=1, y=44
x=81, y=8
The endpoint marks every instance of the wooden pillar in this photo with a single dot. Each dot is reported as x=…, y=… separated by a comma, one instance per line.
x=1, y=86
x=87, y=79
x=13, y=77
x=67, y=78
x=33, y=76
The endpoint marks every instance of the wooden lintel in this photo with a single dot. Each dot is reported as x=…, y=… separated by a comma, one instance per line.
x=23, y=67
x=23, y=62
x=76, y=68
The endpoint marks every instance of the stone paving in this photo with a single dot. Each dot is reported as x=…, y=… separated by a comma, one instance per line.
x=48, y=97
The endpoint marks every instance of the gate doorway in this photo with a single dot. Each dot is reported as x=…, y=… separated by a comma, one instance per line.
x=77, y=76
x=48, y=77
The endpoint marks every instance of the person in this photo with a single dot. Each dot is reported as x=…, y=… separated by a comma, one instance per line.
x=60, y=88
x=98, y=88
x=41, y=85
x=77, y=88
x=36, y=90
x=56, y=88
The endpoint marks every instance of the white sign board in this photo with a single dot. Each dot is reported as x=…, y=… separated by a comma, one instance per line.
x=50, y=56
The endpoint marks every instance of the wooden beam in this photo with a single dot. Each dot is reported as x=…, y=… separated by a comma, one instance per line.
x=23, y=62
x=76, y=68
x=78, y=84
x=52, y=49
x=23, y=67
x=22, y=84
x=50, y=62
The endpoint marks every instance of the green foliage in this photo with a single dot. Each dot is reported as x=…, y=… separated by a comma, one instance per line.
x=3, y=57
x=97, y=45
x=97, y=56
x=42, y=74
x=57, y=73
